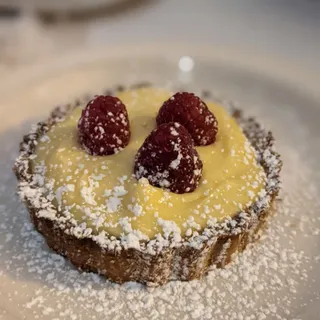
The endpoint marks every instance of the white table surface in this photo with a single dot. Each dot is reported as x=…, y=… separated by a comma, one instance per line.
x=288, y=29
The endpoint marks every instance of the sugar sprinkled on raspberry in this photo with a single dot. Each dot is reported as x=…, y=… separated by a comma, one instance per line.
x=169, y=160
x=104, y=127
x=190, y=111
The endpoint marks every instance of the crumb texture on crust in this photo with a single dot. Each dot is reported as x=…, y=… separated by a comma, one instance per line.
x=152, y=262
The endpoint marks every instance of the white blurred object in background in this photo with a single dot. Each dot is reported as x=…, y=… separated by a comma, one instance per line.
x=22, y=37
x=23, y=40
x=60, y=6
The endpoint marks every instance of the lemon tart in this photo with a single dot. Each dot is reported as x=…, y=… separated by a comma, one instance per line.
x=143, y=185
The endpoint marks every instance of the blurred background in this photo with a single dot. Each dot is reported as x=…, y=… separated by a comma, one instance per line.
x=36, y=30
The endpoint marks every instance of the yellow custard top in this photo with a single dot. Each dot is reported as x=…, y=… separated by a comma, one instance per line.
x=102, y=192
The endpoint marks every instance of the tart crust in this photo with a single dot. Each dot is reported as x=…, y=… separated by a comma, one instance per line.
x=187, y=260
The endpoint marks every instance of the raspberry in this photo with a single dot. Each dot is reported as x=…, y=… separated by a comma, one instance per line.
x=191, y=112
x=168, y=159
x=104, y=126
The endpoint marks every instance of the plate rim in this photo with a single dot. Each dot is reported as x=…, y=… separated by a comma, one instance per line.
x=247, y=58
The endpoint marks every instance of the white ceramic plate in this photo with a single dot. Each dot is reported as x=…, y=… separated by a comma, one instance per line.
x=276, y=279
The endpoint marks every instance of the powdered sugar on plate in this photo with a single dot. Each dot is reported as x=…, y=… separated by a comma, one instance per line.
x=270, y=280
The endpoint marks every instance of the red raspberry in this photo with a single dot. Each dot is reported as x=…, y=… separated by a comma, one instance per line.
x=169, y=160
x=190, y=111
x=104, y=126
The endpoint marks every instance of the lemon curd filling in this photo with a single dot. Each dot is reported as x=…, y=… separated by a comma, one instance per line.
x=102, y=192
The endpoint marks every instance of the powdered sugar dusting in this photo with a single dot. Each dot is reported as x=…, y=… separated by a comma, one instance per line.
x=267, y=281
x=270, y=280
